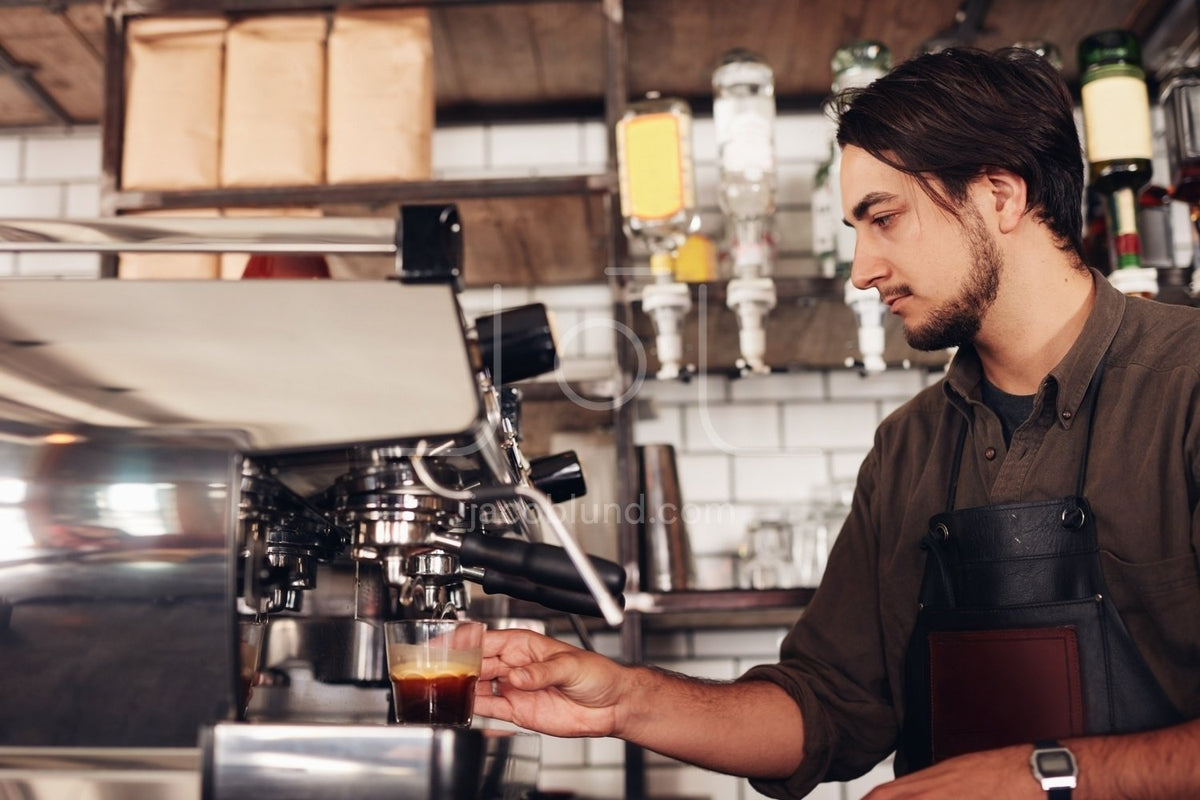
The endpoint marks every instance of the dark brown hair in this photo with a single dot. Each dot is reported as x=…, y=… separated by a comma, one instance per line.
x=948, y=117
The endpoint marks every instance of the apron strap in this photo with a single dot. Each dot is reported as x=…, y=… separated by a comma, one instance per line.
x=1089, y=400
x=952, y=492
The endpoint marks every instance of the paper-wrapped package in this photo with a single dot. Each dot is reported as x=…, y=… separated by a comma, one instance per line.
x=171, y=266
x=173, y=91
x=274, y=107
x=380, y=97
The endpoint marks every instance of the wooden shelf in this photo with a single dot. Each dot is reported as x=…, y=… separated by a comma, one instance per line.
x=810, y=328
x=518, y=60
x=516, y=231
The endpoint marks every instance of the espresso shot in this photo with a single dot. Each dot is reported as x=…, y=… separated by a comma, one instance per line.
x=434, y=665
x=446, y=698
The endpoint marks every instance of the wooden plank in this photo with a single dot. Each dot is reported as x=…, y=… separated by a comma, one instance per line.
x=508, y=53
x=17, y=108
x=674, y=44
x=550, y=240
x=60, y=62
x=1013, y=20
x=539, y=241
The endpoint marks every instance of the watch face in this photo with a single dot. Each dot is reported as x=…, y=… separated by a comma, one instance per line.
x=1053, y=763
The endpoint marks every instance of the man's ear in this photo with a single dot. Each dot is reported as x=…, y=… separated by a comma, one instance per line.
x=1008, y=195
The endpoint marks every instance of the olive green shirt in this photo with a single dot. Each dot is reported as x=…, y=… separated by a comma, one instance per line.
x=843, y=662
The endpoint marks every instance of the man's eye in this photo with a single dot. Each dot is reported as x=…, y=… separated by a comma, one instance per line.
x=883, y=220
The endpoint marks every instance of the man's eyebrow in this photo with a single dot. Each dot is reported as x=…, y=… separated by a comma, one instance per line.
x=864, y=205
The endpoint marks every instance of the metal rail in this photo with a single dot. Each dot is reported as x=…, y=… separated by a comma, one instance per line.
x=324, y=235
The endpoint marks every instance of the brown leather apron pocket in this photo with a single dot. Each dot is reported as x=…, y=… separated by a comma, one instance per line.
x=994, y=686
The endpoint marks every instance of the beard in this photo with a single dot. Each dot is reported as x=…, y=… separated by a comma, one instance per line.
x=957, y=321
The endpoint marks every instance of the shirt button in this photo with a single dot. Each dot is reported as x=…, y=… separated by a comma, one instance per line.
x=990, y=453
x=1067, y=415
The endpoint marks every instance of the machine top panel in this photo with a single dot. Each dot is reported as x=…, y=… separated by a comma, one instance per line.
x=294, y=365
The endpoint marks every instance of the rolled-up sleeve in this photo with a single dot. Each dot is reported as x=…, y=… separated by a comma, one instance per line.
x=832, y=662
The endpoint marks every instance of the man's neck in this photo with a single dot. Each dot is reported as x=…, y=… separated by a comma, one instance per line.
x=1039, y=313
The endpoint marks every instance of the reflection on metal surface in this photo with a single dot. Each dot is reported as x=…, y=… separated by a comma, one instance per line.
x=354, y=235
x=118, y=624
x=100, y=773
x=299, y=762
x=288, y=364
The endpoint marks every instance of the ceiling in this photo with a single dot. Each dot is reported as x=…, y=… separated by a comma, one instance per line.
x=546, y=59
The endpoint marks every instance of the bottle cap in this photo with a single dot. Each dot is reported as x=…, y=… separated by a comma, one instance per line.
x=1045, y=49
x=1109, y=47
x=858, y=63
x=740, y=67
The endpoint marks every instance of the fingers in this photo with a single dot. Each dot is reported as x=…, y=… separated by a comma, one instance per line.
x=560, y=669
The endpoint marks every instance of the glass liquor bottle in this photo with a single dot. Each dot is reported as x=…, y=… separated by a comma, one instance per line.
x=854, y=66
x=1180, y=100
x=1116, y=124
x=1045, y=49
x=658, y=209
x=744, y=123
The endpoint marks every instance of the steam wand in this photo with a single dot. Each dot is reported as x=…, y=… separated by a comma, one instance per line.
x=613, y=614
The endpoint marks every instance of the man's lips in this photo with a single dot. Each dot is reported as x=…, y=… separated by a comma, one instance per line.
x=892, y=298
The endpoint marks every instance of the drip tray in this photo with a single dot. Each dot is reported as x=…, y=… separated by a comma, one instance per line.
x=371, y=762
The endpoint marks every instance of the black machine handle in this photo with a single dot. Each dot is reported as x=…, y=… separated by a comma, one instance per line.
x=517, y=343
x=564, y=600
x=539, y=563
x=559, y=476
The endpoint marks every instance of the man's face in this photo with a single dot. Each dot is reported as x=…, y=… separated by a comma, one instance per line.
x=939, y=274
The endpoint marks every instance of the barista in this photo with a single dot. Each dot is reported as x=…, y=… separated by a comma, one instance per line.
x=1013, y=605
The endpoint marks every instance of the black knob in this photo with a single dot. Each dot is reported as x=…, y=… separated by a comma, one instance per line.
x=559, y=477
x=517, y=343
x=429, y=241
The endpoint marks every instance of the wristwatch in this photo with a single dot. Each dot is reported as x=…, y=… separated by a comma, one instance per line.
x=1054, y=768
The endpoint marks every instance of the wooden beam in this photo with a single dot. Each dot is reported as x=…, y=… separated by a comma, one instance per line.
x=23, y=75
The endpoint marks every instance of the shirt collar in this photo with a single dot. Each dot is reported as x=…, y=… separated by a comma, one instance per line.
x=1071, y=376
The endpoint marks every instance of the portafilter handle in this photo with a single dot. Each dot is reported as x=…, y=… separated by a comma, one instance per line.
x=537, y=562
x=609, y=608
x=564, y=600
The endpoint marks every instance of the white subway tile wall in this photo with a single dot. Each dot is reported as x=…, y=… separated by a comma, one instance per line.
x=746, y=449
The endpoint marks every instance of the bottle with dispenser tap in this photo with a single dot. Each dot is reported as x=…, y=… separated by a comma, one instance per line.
x=854, y=66
x=744, y=122
x=658, y=209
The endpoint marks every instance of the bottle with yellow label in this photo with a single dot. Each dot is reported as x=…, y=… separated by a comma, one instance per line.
x=655, y=172
x=658, y=209
x=1116, y=129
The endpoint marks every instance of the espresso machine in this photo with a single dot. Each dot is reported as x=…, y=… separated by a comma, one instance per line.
x=213, y=494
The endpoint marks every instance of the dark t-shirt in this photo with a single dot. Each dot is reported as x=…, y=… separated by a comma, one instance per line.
x=1013, y=409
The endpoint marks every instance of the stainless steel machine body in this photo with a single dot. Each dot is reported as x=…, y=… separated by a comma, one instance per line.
x=186, y=463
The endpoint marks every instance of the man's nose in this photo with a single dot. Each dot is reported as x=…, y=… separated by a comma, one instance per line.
x=868, y=267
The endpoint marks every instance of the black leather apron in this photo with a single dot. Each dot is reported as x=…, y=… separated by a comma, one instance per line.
x=1016, y=638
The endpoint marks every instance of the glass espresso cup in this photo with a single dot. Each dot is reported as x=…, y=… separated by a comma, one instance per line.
x=434, y=666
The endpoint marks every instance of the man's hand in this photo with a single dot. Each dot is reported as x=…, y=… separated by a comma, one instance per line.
x=750, y=728
x=549, y=686
x=1002, y=774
